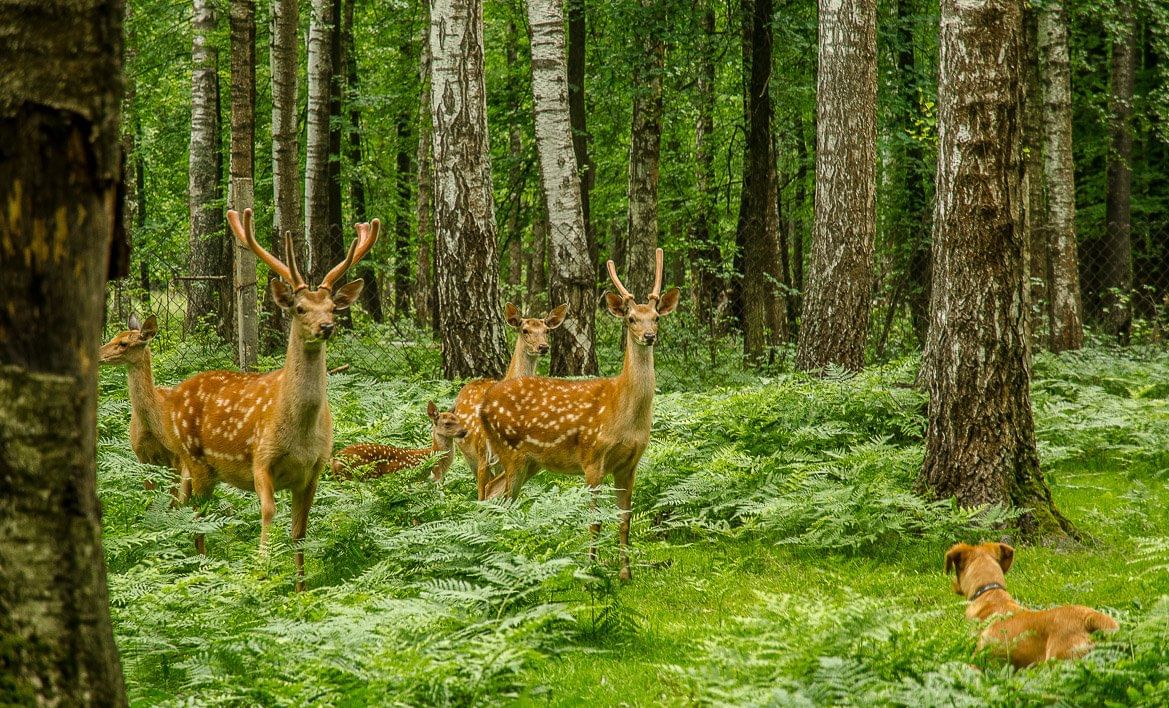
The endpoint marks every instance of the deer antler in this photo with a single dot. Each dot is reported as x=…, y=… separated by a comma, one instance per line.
x=659, y=264
x=366, y=237
x=244, y=233
x=621, y=289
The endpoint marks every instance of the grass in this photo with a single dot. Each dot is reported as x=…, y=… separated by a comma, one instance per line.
x=779, y=559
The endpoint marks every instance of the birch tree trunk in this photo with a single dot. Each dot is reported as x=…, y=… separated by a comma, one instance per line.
x=473, y=342
x=835, y=319
x=572, y=270
x=705, y=258
x=60, y=105
x=645, y=142
x=323, y=235
x=1117, y=252
x=1066, y=318
x=370, y=295
x=242, y=168
x=980, y=443
x=208, y=248
x=286, y=214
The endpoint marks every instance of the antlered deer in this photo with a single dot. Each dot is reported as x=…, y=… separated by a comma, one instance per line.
x=272, y=431
x=445, y=427
x=531, y=343
x=151, y=438
x=593, y=427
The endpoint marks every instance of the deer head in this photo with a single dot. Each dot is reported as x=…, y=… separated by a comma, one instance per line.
x=445, y=427
x=641, y=320
x=312, y=310
x=533, y=331
x=129, y=347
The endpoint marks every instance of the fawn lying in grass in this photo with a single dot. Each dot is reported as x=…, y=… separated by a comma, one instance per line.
x=386, y=459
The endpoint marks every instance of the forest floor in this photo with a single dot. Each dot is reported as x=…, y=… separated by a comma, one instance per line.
x=780, y=558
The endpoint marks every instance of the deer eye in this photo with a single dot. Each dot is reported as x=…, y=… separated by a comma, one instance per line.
x=525, y=330
x=300, y=309
x=123, y=345
x=631, y=319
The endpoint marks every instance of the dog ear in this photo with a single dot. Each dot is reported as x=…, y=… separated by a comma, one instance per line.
x=1006, y=556
x=955, y=558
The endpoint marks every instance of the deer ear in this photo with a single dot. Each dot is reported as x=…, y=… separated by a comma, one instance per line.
x=282, y=293
x=348, y=295
x=511, y=315
x=669, y=301
x=1006, y=556
x=432, y=411
x=149, y=329
x=555, y=318
x=616, y=305
x=955, y=557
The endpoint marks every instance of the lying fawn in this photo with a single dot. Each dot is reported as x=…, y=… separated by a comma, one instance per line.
x=386, y=459
x=531, y=343
x=266, y=432
x=593, y=427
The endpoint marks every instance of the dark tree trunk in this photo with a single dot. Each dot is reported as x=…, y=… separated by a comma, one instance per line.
x=705, y=258
x=326, y=247
x=425, y=284
x=577, y=114
x=518, y=183
x=980, y=443
x=798, y=224
x=1034, y=215
x=916, y=216
x=645, y=143
x=60, y=106
x=835, y=319
x=208, y=253
x=405, y=176
x=538, y=256
x=241, y=191
x=1116, y=282
x=285, y=157
x=467, y=263
x=370, y=296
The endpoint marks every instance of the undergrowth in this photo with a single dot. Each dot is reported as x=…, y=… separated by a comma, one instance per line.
x=419, y=595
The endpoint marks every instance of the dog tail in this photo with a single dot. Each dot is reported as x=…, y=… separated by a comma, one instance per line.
x=1099, y=622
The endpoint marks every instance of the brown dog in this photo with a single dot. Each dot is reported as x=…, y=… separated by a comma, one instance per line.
x=1018, y=635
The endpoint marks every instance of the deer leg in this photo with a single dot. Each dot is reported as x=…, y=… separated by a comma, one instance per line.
x=266, y=491
x=195, y=485
x=302, y=501
x=623, y=488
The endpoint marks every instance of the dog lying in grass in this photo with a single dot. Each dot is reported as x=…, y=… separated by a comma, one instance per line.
x=1016, y=634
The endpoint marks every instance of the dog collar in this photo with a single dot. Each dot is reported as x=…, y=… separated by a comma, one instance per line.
x=985, y=589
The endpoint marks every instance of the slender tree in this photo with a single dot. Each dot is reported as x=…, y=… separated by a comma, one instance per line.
x=538, y=255
x=1034, y=212
x=916, y=216
x=323, y=234
x=1066, y=318
x=518, y=182
x=645, y=142
x=242, y=173
x=572, y=269
x=209, y=250
x=370, y=294
x=285, y=154
x=835, y=319
x=425, y=285
x=1117, y=252
x=60, y=101
x=404, y=178
x=980, y=442
x=578, y=116
x=467, y=264
x=705, y=258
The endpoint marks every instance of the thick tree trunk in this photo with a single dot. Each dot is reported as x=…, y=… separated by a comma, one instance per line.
x=473, y=343
x=1116, y=282
x=208, y=250
x=572, y=269
x=1066, y=318
x=323, y=235
x=241, y=189
x=577, y=115
x=370, y=295
x=645, y=142
x=1034, y=214
x=980, y=443
x=285, y=156
x=705, y=258
x=60, y=105
x=835, y=320
x=425, y=286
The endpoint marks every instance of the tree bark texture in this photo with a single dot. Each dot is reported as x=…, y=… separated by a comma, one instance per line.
x=467, y=264
x=370, y=295
x=1034, y=212
x=286, y=215
x=60, y=108
x=571, y=268
x=242, y=175
x=835, y=318
x=980, y=442
x=645, y=142
x=323, y=235
x=705, y=257
x=578, y=116
x=425, y=285
x=1065, y=312
x=1116, y=285
x=209, y=251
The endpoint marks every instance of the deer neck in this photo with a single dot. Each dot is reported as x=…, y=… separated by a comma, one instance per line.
x=144, y=398
x=636, y=383
x=522, y=363
x=442, y=446
x=303, y=392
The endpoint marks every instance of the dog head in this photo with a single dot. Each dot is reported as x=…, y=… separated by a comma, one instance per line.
x=975, y=566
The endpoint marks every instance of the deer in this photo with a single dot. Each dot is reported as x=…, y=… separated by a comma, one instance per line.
x=272, y=431
x=445, y=427
x=531, y=344
x=150, y=406
x=594, y=427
